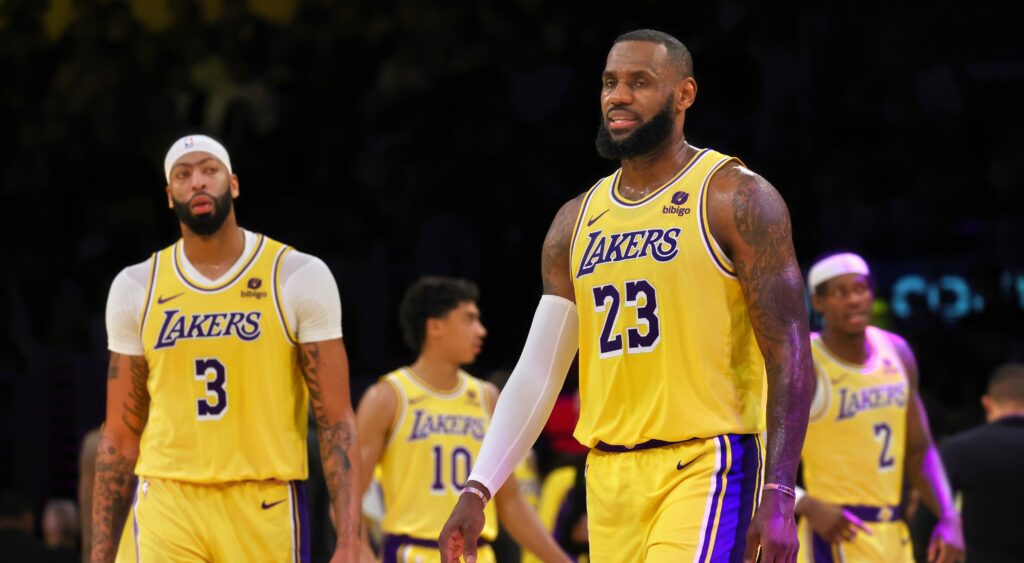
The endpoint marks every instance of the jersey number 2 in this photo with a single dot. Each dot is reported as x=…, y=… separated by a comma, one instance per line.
x=884, y=433
x=216, y=402
x=640, y=295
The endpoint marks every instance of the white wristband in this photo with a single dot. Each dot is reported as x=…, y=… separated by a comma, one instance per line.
x=473, y=490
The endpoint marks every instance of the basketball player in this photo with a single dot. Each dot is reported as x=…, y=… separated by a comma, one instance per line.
x=676, y=279
x=423, y=424
x=218, y=343
x=868, y=425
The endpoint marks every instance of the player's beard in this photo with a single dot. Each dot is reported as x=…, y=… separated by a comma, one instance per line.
x=207, y=223
x=644, y=140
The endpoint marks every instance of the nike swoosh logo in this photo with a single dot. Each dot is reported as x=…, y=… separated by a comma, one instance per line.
x=415, y=400
x=273, y=504
x=593, y=220
x=161, y=300
x=680, y=465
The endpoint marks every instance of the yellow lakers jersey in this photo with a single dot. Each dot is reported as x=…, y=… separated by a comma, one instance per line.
x=434, y=441
x=853, y=452
x=667, y=350
x=228, y=401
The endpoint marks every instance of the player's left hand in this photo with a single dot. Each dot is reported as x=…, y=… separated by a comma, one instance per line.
x=947, y=543
x=773, y=530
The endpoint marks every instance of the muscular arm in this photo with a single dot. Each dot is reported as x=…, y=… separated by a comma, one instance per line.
x=373, y=421
x=923, y=466
x=556, y=271
x=519, y=518
x=118, y=449
x=530, y=392
x=922, y=462
x=750, y=218
x=325, y=368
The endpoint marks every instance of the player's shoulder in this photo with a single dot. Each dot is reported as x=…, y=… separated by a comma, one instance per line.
x=382, y=396
x=134, y=275
x=896, y=341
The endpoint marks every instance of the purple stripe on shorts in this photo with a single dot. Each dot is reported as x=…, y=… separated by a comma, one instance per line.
x=135, y=521
x=300, y=522
x=709, y=524
x=737, y=498
x=821, y=549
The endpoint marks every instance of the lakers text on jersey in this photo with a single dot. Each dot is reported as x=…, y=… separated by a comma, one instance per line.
x=434, y=440
x=667, y=351
x=228, y=401
x=853, y=452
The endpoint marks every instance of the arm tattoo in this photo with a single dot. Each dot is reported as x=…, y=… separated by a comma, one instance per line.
x=335, y=436
x=112, y=492
x=136, y=408
x=774, y=290
x=556, y=270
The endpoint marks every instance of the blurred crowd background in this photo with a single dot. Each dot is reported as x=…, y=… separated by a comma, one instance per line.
x=396, y=139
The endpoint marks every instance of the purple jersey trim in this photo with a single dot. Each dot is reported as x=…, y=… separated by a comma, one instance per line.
x=149, y=292
x=705, y=231
x=241, y=271
x=651, y=196
x=276, y=288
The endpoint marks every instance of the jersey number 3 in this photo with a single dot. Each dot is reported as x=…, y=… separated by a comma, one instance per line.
x=642, y=337
x=215, y=375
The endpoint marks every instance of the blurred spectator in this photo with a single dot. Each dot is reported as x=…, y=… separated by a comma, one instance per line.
x=985, y=467
x=61, y=529
x=86, y=473
x=17, y=527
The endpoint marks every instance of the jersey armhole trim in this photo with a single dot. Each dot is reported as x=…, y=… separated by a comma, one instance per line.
x=583, y=213
x=823, y=383
x=485, y=402
x=711, y=246
x=399, y=417
x=150, y=289
x=276, y=288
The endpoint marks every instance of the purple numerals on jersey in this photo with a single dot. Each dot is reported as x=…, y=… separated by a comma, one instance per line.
x=461, y=461
x=216, y=401
x=606, y=298
x=645, y=334
x=884, y=433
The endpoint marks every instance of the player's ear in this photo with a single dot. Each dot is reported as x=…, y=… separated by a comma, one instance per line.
x=234, y=186
x=686, y=93
x=817, y=303
x=170, y=200
x=986, y=403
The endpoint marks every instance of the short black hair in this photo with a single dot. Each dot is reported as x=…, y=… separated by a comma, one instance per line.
x=1007, y=384
x=678, y=55
x=431, y=297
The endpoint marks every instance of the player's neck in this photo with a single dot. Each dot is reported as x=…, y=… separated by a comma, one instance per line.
x=644, y=174
x=852, y=348
x=436, y=372
x=214, y=254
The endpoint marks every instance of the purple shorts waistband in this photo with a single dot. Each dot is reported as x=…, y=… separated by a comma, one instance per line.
x=875, y=513
x=610, y=448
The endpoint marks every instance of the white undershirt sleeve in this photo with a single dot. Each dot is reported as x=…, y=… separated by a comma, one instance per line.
x=528, y=397
x=310, y=299
x=125, y=301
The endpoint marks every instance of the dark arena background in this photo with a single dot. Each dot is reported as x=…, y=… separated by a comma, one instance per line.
x=397, y=139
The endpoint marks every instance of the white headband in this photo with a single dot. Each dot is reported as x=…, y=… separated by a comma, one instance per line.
x=195, y=143
x=834, y=266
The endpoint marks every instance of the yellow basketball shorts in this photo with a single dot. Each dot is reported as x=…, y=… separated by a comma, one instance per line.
x=407, y=549
x=688, y=501
x=250, y=521
x=889, y=542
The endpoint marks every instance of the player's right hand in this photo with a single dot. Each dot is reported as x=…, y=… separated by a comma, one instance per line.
x=832, y=522
x=462, y=530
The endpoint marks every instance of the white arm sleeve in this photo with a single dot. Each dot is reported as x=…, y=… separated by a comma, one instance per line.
x=124, y=308
x=309, y=297
x=529, y=395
